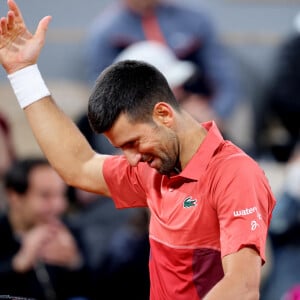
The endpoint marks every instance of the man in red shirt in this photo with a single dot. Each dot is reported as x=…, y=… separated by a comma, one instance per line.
x=210, y=203
x=217, y=205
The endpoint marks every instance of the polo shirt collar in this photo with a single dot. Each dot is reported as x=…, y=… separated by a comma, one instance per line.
x=199, y=162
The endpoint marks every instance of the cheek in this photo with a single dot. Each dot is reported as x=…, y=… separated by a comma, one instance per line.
x=152, y=147
x=42, y=209
x=156, y=141
x=61, y=206
x=31, y=213
x=57, y=205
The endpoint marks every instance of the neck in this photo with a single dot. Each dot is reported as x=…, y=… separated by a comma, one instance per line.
x=191, y=136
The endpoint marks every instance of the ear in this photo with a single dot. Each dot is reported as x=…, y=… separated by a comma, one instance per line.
x=163, y=113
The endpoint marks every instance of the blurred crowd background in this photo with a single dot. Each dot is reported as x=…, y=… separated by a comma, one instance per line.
x=262, y=40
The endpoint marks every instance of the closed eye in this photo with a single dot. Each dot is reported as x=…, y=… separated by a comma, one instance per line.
x=128, y=145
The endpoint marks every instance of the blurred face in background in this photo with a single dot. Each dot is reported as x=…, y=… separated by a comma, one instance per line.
x=142, y=6
x=44, y=200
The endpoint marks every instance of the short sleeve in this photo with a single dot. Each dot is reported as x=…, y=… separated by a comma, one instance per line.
x=244, y=204
x=124, y=183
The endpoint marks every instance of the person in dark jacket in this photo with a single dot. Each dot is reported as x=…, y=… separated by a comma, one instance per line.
x=39, y=256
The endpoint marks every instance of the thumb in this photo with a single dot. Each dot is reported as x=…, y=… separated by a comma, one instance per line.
x=42, y=28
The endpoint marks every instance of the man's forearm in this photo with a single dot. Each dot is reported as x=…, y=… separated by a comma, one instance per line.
x=59, y=138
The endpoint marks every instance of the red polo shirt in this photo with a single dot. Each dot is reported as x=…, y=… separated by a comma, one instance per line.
x=220, y=203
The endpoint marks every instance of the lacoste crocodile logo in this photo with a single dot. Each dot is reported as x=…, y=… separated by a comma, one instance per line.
x=189, y=202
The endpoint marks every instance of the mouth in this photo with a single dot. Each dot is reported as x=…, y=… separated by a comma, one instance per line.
x=153, y=163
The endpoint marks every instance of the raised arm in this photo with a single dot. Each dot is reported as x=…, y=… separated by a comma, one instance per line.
x=61, y=141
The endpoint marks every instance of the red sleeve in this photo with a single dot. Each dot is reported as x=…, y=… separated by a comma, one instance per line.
x=123, y=182
x=244, y=204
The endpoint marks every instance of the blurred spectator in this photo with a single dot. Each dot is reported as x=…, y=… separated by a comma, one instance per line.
x=126, y=262
x=279, y=129
x=188, y=31
x=284, y=236
x=115, y=245
x=39, y=256
x=7, y=154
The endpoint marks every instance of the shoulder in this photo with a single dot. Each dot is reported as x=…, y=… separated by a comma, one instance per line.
x=233, y=164
x=196, y=12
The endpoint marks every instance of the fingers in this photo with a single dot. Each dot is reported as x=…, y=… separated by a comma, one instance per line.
x=42, y=28
x=3, y=26
x=10, y=20
x=7, y=23
x=14, y=7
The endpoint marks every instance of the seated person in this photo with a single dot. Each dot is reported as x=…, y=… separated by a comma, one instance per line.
x=39, y=256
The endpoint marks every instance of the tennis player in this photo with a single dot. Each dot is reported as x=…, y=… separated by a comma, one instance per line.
x=210, y=203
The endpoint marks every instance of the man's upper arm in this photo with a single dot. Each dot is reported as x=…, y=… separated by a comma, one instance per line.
x=245, y=264
x=244, y=269
x=241, y=279
x=92, y=178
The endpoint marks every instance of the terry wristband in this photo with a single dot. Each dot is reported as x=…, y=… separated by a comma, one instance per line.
x=28, y=85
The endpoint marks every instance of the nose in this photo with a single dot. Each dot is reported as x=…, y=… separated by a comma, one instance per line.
x=133, y=157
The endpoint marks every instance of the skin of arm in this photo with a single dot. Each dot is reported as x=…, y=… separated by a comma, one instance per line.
x=241, y=277
x=65, y=147
x=60, y=140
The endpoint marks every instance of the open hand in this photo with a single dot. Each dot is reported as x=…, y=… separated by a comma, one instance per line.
x=18, y=47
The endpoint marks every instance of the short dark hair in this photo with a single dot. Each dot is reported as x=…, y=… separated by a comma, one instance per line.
x=16, y=178
x=131, y=87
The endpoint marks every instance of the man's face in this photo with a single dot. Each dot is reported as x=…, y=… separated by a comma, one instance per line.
x=152, y=143
x=45, y=199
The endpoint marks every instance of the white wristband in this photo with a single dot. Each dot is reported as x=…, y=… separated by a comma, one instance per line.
x=28, y=85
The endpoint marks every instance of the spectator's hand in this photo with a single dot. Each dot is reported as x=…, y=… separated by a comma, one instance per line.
x=62, y=250
x=32, y=244
x=18, y=47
